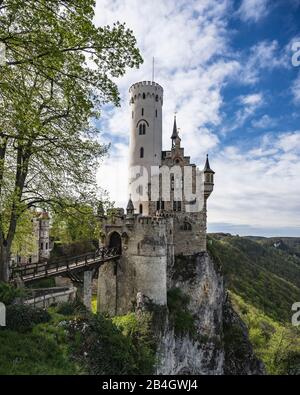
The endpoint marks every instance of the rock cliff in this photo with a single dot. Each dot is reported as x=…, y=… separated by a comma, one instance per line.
x=199, y=332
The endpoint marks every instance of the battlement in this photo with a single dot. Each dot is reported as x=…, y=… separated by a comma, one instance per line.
x=143, y=84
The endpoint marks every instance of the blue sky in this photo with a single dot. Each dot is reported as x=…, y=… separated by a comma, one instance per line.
x=226, y=68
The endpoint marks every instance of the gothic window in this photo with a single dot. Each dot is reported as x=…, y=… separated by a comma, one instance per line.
x=172, y=183
x=142, y=128
x=144, y=96
x=141, y=209
x=142, y=111
x=187, y=226
x=141, y=152
x=156, y=98
x=176, y=205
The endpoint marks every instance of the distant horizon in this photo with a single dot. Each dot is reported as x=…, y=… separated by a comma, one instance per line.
x=246, y=231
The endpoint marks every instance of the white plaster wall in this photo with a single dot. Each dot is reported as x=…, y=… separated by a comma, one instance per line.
x=151, y=277
x=152, y=140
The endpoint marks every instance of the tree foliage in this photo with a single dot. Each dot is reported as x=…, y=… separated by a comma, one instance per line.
x=58, y=72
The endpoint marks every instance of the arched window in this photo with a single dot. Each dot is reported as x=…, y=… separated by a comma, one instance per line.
x=144, y=96
x=187, y=226
x=176, y=205
x=141, y=152
x=156, y=98
x=156, y=113
x=141, y=209
x=142, y=111
x=142, y=128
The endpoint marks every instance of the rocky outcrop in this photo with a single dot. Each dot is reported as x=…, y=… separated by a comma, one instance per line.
x=200, y=333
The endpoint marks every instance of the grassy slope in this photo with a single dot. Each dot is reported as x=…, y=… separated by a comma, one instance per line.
x=44, y=350
x=264, y=282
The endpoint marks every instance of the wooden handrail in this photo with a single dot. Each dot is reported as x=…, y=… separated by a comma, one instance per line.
x=46, y=269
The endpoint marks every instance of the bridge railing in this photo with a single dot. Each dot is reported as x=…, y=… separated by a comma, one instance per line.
x=63, y=265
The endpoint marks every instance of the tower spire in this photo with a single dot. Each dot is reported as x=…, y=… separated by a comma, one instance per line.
x=175, y=130
x=207, y=168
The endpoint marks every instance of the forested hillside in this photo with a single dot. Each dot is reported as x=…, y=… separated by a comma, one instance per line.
x=263, y=277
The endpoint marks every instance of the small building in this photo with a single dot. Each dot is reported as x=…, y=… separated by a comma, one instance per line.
x=42, y=245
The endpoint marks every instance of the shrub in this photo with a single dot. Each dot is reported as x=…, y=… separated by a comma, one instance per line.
x=72, y=308
x=106, y=349
x=8, y=293
x=138, y=327
x=22, y=318
x=183, y=320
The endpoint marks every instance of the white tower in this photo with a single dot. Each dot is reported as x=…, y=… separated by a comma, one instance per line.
x=146, y=100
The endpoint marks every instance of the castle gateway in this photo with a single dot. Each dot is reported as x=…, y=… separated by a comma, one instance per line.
x=166, y=211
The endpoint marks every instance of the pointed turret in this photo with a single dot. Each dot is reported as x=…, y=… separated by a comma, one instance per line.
x=130, y=213
x=208, y=178
x=130, y=206
x=175, y=136
x=175, y=131
x=207, y=168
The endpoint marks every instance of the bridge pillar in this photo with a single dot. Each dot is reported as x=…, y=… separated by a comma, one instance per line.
x=87, y=288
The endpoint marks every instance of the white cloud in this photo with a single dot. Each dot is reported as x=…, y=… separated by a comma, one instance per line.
x=253, y=10
x=296, y=90
x=265, y=55
x=259, y=187
x=253, y=100
x=264, y=122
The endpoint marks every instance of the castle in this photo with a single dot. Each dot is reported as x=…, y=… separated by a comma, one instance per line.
x=41, y=236
x=166, y=211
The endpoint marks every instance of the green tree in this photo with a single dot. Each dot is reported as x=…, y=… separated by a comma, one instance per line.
x=75, y=224
x=57, y=75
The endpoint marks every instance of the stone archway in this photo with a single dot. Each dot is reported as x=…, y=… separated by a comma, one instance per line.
x=115, y=241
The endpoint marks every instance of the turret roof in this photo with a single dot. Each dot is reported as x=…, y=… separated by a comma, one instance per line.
x=207, y=168
x=175, y=131
x=130, y=205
